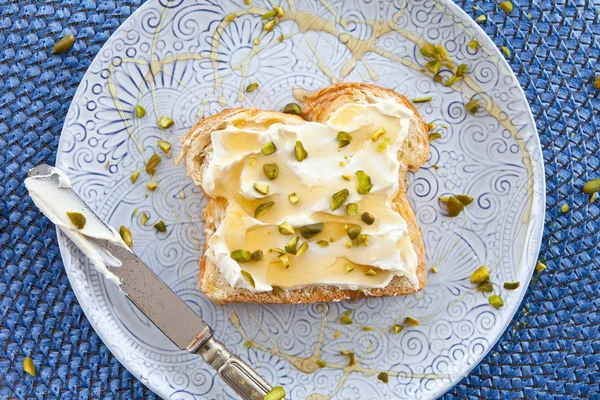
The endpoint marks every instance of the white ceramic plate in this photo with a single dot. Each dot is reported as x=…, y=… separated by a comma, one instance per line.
x=182, y=60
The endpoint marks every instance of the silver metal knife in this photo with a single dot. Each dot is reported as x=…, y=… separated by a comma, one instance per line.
x=175, y=318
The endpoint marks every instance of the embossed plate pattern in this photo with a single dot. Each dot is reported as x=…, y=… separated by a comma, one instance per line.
x=184, y=60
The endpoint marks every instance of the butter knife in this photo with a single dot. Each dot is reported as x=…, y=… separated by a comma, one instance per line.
x=172, y=316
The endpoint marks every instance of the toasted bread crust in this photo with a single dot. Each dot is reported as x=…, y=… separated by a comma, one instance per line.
x=317, y=106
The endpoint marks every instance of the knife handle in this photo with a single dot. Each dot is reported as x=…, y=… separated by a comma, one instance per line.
x=246, y=382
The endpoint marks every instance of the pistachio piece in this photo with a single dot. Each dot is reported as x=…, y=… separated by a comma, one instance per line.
x=353, y=231
x=135, y=176
x=300, y=151
x=268, y=14
x=337, y=334
x=144, y=218
x=352, y=209
x=323, y=243
x=277, y=290
x=397, y=328
x=411, y=321
x=290, y=247
x=277, y=393
x=511, y=285
x=346, y=320
x=347, y=177
x=135, y=212
x=292, y=108
x=152, y=163
x=321, y=363
x=126, y=236
x=281, y=38
x=302, y=249
x=286, y=229
x=64, y=44
x=269, y=26
x=485, y=287
x=339, y=198
x=496, y=301
x=592, y=186
x=348, y=244
x=464, y=199
x=164, y=145
x=480, y=275
x=252, y=161
x=461, y=70
x=241, y=256
x=426, y=99
x=597, y=82
x=434, y=270
x=442, y=52
x=540, y=266
x=505, y=50
x=383, y=145
x=474, y=44
x=565, y=208
x=349, y=268
x=229, y=17
x=363, y=238
x=363, y=182
x=433, y=66
x=77, y=219
x=28, y=366
x=434, y=136
x=367, y=218
x=285, y=260
x=311, y=230
x=383, y=377
x=261, y=188
x=160, y=226
x=454, y=206
x=165, y=122
x=371, y=272
x=140, y=111
x=269, y=149
x=377, y=134
x=248, y=278
x=253, y=86
x=481, y=18
x=256, y=41
x=343, y=139
x=431, y=126
x=271, y=171
x=293, y=198
x=452, y=80
x=279, y=11
x=257, y=255
x=263, y=208
x=151, y=186
x=427, y=50
x=248, y=344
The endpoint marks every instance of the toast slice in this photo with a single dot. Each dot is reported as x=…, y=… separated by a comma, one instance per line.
x=317, y=107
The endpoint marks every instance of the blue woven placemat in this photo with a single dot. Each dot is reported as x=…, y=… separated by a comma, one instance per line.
x=553, y=346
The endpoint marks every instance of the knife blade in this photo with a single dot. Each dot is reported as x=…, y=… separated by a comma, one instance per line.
x=171, y=315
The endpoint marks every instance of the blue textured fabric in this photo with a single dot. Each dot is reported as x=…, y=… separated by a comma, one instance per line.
x=552, y=348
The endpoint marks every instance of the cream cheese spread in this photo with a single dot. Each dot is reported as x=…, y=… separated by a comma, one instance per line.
x=236, y=164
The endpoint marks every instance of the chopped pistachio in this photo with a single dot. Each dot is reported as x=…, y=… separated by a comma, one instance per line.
x=597, y=82
x=464, y=199
x=592, y=186
x=281, y=38
x=269, y=149
x=565, y=208
x=383, y=145
x=230, y=17
x=452, y=80
x=140, y=111
x=263, y=209
x=248, y=344
x=472, y=106
x=505, y=50
x=343, y=139
x=160, y=226
x=431, y=126
x=144, y=218
x=345, y=352
x=135, y=212
x=164, y=145
x=371, y=272
x=346, y=320
x=285, y=260
x=251, y=88
x=271, y=171
x=461, y=70
x=367, y=218
x=337, y=334
x=286, y=229
x=126, y=236
x=291, y=246
x=293, y=198
x=152, y=163
x=383, y=377
x=474, y=44
x=349, y=268
x=377, y=134
x=353, y=231
x=277, y=290
x=352, y=209
x=64, y=44
x=248, y=278
x=257, y=255
x=363, y=238
x=252, y=161
x=165, y=122
x=279, y=11
x=347, y=177
x=363, y=182
x=411, y=321
x=485, y=287
x=434, y=270
x=481, y=18
x=427, y=50
x=262, y=188
x=321, y=363
x=323, y=243
x=256, y=41
x=455, y=207
x=302, y=249
x=593, y=197
x=77, y=219
x=434, y=66
x=300, y=151
x=292, y=108
x=277, y=393
x=397, y=328
x=366, y=328
x=342, y=164
x=426, y=99
x=241, y=256
x=540, y=266
x=308, y=231
x=269, y=26
x=437, y=78
x=352, y=359
x=480, y=275
x=339, y=198
x=496, y=301
x=506, y=6
x=276, y=250
x=434, y=136
x=442, y=52
x=348, y=244
x=28, y=366
x=135, y=176
x=511, y=285
x=151, y=186
x=268, y=14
